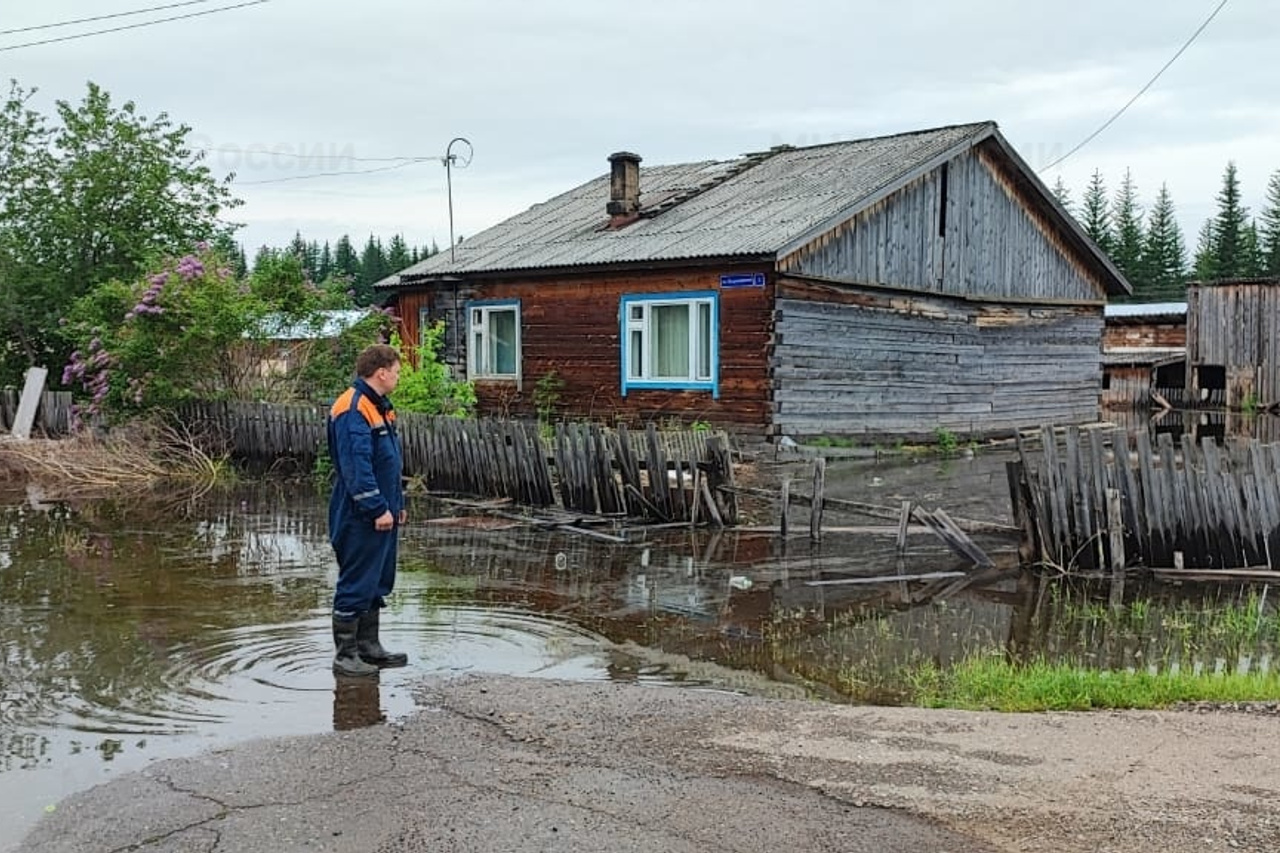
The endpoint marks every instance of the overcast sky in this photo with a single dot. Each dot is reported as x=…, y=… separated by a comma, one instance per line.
x=546, y=90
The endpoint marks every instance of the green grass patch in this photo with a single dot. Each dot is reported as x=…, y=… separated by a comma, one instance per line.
x=995, y=684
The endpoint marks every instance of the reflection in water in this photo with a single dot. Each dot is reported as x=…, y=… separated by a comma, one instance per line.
x=356, y=703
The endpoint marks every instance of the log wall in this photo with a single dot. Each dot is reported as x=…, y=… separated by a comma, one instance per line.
x=866, y=363
x=571, y=325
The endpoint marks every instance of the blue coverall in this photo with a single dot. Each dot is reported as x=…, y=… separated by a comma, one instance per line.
x=366, y=457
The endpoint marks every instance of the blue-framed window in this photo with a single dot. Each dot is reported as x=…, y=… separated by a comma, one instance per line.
x=671, y=340
x=493, y=337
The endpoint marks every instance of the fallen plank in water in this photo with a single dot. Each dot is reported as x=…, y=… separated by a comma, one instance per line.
x=927, y=576
x=955, y=538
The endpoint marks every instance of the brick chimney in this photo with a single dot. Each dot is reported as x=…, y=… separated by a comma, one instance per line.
x=624, y=188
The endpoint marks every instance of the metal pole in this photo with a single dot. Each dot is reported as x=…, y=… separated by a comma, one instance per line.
x=449, y=159
x=448, y=179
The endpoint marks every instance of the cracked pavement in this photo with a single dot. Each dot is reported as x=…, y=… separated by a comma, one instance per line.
x=513, y=765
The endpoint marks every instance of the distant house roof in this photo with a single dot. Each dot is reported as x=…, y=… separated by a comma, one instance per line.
x=320, y=326
x=1227, y=282
x=761, y=205
x=1146, y=311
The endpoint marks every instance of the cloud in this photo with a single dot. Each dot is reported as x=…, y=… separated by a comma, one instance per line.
x=546, y=91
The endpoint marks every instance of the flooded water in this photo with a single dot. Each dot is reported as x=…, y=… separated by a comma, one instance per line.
x=142, y=630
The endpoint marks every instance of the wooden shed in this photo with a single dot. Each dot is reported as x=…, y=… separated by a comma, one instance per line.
x=885, y=287
x=1233, y=342
x=1144, y=350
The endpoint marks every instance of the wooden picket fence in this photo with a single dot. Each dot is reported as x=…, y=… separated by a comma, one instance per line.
x=586, y=468
x=1100, y=500
x=53, y=416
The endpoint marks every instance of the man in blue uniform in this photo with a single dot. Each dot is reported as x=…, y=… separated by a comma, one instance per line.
x=365, y=510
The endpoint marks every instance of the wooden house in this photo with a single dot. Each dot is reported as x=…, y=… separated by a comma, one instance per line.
x=894, y=286
x=1233, y=342
x=1144, y=351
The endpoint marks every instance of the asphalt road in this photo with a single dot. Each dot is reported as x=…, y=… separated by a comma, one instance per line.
x=514, y=765
x=454, y=777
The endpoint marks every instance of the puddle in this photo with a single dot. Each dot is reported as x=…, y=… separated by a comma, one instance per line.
x=134, y=632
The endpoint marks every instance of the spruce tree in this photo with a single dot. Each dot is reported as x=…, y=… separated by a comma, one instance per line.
x=373, y=268
x=345, y=261
x=1269, y=231
x=1164, y=253
x=1229, y=251
x=1205, y=267
x=1127, y=248
x=1096, y=214
x=324, y=268
x=264, y=256
x=312, y=261
x=1063, y=194
x=397, y=254
x=1251, y=260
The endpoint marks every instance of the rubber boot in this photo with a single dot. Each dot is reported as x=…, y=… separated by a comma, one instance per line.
x=347, y=661
x=371, y=650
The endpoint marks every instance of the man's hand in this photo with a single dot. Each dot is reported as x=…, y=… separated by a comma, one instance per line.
x=386, y=521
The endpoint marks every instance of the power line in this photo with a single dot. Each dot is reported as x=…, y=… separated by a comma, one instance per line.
x=255, y=151
x=412, y=162
x=134, y=26
x=100, y=18
x=1143, y=90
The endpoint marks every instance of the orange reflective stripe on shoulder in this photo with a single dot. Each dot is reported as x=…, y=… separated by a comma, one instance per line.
x=342, y=405
x=367, y=409
x=370, y=412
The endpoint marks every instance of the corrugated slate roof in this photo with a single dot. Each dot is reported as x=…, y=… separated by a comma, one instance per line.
x=1145, y=309
x=753, y=205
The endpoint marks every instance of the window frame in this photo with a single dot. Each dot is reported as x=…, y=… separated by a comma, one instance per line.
x=627, y=325
x=487, y=307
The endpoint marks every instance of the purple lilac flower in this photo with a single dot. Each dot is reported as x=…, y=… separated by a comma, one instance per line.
x=190, y=267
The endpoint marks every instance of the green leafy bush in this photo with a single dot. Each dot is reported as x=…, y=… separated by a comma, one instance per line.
x=425, y=382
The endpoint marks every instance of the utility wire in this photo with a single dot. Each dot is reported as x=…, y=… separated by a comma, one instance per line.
x=134, y=26
x=412, y=162
x=1141, y=91
x=268, y=153
x=100, y=18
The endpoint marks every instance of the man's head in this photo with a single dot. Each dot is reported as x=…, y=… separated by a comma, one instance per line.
x=379, y=365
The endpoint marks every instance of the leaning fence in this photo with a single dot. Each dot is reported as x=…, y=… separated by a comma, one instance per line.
x=53, y=415
x=660, y=476
x=1100, y=500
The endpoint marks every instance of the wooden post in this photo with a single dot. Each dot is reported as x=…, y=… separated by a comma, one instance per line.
x=815, y=515
x=903, y=521
x=1115, y=530
x=786, y=506
x=30, y=400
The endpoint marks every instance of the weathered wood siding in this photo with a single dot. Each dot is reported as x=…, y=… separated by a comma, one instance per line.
x=1126, y=386
x=865, y=363
x=995, y=241
x=570, y=325
x=1150, y=335
x=1236, y=326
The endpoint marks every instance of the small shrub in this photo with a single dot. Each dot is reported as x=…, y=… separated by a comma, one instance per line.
x=426, y=386
x=947, y=441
